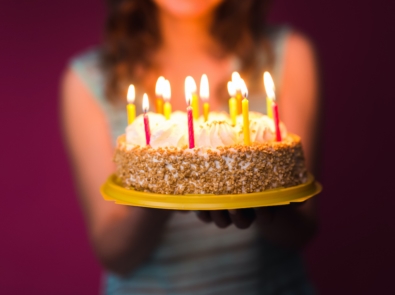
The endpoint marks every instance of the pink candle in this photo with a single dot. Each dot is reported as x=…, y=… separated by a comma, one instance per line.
x=146, y=120
x=276, y=119
x=269, y=86
x=191, y=134
x=190, y=88
x=147, y=130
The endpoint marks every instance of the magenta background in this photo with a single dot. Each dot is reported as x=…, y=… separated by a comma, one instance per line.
x=43, y=245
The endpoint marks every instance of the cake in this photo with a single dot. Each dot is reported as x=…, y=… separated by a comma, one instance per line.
x=219, y=164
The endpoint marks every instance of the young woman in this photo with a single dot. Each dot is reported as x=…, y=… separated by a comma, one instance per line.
x=147, y=251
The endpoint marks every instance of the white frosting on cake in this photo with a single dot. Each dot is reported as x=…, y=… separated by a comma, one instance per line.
x=251, y=116
x=169, y=133
x=180, y=118
x=216, y=116
x=215, y=134
x=262, y=129
x=135, y=132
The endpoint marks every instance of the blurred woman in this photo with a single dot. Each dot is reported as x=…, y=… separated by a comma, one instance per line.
x=148, y=251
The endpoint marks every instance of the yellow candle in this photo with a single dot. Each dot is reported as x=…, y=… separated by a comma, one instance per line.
x=166, y=98
x=232, y=103
x=237, y=81
x=246, y=122
x=159, y=105
x=239, y=98
x=190, y=86
x=204, y=95
x=167, y=110
x=206, y=110
x=233, y=110
x=195, y=106
x=131, y=108
x=269, y=87
x=269, y=109
x=159, y=95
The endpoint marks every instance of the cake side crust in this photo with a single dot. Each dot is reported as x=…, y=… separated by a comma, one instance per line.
x=225, y=170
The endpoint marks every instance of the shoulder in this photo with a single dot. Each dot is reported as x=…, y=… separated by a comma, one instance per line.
x=86, y=67
x=300, y=63
x=288, y=40
x=299, y=50
x=81, y=81
x=291, y=51
x=87, y=58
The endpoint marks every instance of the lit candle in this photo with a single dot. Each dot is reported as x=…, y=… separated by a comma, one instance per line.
x=246, y=119
x=188, y=96
x=159, y=95
x=146, y=121
x=267, y=80
x=131, y=108
x=166, y=98
x=195, y=98
x=236, y=80
x=204, y=95
x=269, y=86
x=232, y=103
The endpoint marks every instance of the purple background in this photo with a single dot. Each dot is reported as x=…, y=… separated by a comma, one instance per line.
x=43, y=245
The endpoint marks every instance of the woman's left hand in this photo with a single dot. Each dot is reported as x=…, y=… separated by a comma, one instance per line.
x=290, y=225
x=241, y=218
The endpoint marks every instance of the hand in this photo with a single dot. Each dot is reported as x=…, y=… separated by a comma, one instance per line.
x=241, y=218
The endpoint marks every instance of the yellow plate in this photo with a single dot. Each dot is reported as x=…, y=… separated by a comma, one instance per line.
x=113, y=191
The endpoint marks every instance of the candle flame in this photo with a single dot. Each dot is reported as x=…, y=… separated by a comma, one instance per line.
x=145, y=103
x=131, y=94
x=237, y=81
x=204, y=88
x=243, y=88
x=235, y=77
x=231, y=89
x=269, y=86
x=159, y=86
x=166, y=90
x=190, y=87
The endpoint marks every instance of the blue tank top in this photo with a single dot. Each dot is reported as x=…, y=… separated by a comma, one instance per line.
x=195, y=258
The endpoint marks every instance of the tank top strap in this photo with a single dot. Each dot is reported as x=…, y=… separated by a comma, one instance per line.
x=87, y=67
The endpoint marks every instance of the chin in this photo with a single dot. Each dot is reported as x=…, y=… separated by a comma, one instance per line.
x=188, y=8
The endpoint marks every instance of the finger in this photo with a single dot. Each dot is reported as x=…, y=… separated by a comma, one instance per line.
x=242, y=218
x=221, y=218
x=204, y=216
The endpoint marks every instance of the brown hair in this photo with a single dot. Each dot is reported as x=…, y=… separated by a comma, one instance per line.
x=132, y=35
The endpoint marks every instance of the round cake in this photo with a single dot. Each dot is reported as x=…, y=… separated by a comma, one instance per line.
x=218, y=164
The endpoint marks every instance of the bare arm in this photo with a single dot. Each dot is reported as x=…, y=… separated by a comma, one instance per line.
x=293, y=226
x=290, y=226
x=122, y=237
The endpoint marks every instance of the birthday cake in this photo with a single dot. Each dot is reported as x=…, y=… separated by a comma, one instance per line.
x=219, y=163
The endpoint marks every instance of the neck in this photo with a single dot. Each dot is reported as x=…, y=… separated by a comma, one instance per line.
x=185, y=36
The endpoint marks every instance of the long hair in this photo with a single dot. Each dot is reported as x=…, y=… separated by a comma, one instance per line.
x=132, y=35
